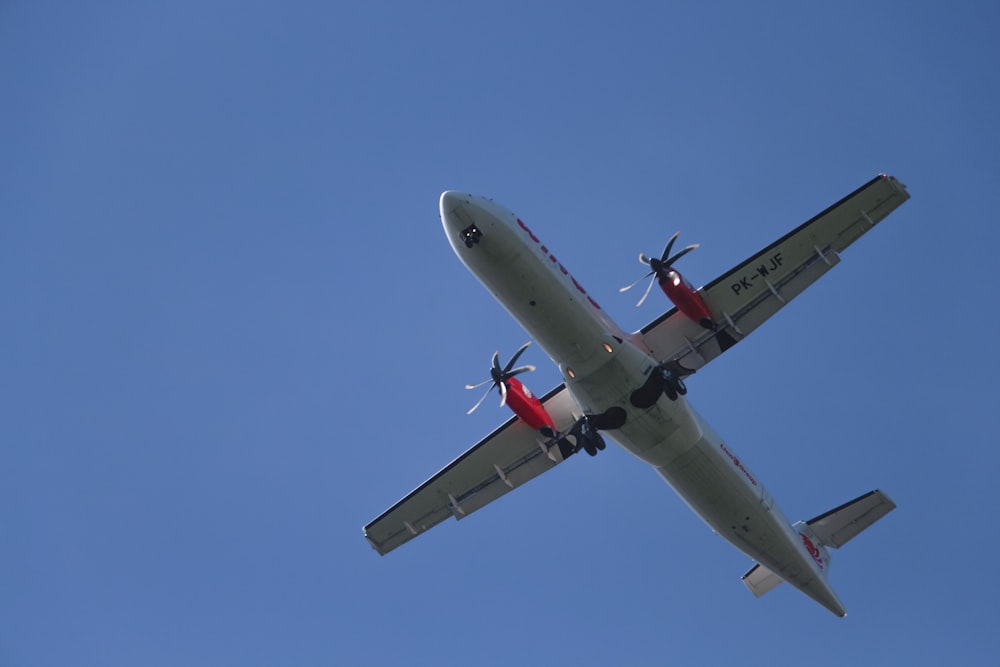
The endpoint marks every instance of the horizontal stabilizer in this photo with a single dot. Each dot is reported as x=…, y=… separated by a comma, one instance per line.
x=838, y=526
x=760, y=580
x=830, y=529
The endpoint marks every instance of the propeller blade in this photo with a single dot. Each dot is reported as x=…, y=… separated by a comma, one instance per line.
x=670, y=244
x=659, y=266
x=517, y=371
x=514, y=359
x=500, y=376
x=628, y=287
x=676, y=257
x=480, y=401
x=649, y=287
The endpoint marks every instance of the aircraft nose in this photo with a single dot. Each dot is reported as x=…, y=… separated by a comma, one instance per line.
x=450, y=200
x=458, y=215
x=456, y=209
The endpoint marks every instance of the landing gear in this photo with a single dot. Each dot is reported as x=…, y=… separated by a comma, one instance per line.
x=673, y=385
x=471, y=235
x=585, y=436
x=664, y=379
x=585, y=433
x=589, y=437
x=670, y=391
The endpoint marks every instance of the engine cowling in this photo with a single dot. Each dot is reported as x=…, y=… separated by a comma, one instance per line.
x=687, y=299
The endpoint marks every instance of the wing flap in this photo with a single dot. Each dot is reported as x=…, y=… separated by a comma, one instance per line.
x=508, y=457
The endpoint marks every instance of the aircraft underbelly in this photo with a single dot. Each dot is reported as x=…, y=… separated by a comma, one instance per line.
x=602, y=366
x=670, y=436
x=701, y=468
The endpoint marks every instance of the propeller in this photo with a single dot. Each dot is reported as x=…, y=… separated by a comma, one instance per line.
x=499, y=376
x=659, y=267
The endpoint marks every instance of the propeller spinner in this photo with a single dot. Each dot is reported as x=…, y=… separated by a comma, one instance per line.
x=499, y=376
x=659, y=267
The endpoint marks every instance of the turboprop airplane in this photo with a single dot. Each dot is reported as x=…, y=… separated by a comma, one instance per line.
x=630, y=386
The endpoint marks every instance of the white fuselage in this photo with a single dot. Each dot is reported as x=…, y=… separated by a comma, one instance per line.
x=602, y=365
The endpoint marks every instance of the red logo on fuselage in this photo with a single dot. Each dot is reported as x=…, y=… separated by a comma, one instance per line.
x=553, y=259
x=812, y=549
x=736, y=462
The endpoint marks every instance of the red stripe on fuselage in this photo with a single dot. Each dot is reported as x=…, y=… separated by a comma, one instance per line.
x=553, y=259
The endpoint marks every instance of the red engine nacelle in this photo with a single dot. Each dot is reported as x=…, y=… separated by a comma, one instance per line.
x=686, y=298
x=527, y=406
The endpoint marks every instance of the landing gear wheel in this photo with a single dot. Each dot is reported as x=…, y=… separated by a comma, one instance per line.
x=673, y=386
x=587, y=437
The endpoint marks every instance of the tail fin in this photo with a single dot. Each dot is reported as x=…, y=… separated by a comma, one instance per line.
x=831, y=529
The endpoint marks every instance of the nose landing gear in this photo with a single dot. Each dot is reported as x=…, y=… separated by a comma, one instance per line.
x=471, y=235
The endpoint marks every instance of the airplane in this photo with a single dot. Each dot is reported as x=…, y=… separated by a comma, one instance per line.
x=630, y=386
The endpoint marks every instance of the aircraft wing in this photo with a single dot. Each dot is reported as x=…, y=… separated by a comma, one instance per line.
x=505, y=459
x=741, y=299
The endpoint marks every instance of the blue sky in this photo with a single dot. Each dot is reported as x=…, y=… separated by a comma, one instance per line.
x=233, y=332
